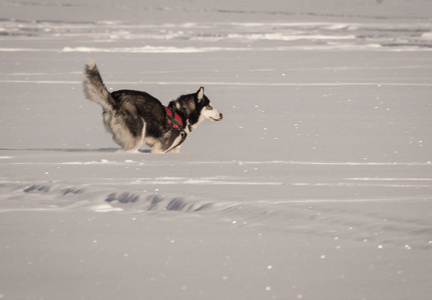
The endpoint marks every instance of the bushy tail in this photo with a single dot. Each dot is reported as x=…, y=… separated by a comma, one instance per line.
x=94, y=88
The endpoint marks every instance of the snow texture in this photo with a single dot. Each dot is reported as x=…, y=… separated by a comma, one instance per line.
x=316, y=185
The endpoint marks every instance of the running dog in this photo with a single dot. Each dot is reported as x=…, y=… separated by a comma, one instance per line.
x=135, y=117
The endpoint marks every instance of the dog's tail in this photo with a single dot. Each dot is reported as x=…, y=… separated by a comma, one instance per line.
x=94, y=88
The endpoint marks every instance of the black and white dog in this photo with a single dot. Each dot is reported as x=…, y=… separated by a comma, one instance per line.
x=135, y=117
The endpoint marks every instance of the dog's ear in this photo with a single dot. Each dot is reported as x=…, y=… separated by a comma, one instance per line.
x=200, y=94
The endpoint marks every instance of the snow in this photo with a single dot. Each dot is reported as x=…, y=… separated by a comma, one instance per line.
x=316, y=185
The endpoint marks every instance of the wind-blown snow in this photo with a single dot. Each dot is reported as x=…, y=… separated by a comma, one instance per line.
x=316, y=185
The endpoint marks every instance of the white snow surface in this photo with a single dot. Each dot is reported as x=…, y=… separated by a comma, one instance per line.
x=317, y=184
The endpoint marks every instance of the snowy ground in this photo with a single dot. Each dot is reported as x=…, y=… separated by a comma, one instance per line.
x=316, y=185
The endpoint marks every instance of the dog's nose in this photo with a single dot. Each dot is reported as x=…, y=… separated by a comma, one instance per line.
x=220, y=117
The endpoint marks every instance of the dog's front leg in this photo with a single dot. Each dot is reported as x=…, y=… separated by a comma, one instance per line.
x=174, y=150
x=177, y=138
x=157, y=148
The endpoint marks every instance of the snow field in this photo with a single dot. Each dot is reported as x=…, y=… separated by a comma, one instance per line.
x=316, y=185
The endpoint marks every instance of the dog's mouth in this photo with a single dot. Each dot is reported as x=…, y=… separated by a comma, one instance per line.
x=220, y=119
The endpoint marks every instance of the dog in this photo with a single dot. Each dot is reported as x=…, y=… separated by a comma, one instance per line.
x=136, y=117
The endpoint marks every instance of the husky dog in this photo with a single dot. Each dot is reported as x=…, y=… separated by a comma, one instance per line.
x=134, y=117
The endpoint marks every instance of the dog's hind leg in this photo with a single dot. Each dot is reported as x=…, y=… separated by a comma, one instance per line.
x=107, y=117
x=137, y=141
x=123, y=136
x=128, y=142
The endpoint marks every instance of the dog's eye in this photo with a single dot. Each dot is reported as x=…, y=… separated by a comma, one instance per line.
x=209, y=107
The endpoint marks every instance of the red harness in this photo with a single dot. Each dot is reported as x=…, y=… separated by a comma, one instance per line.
x=174, y=119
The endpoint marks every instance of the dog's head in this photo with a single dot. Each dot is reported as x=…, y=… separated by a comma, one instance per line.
x=196, y=108
x=207, y=111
